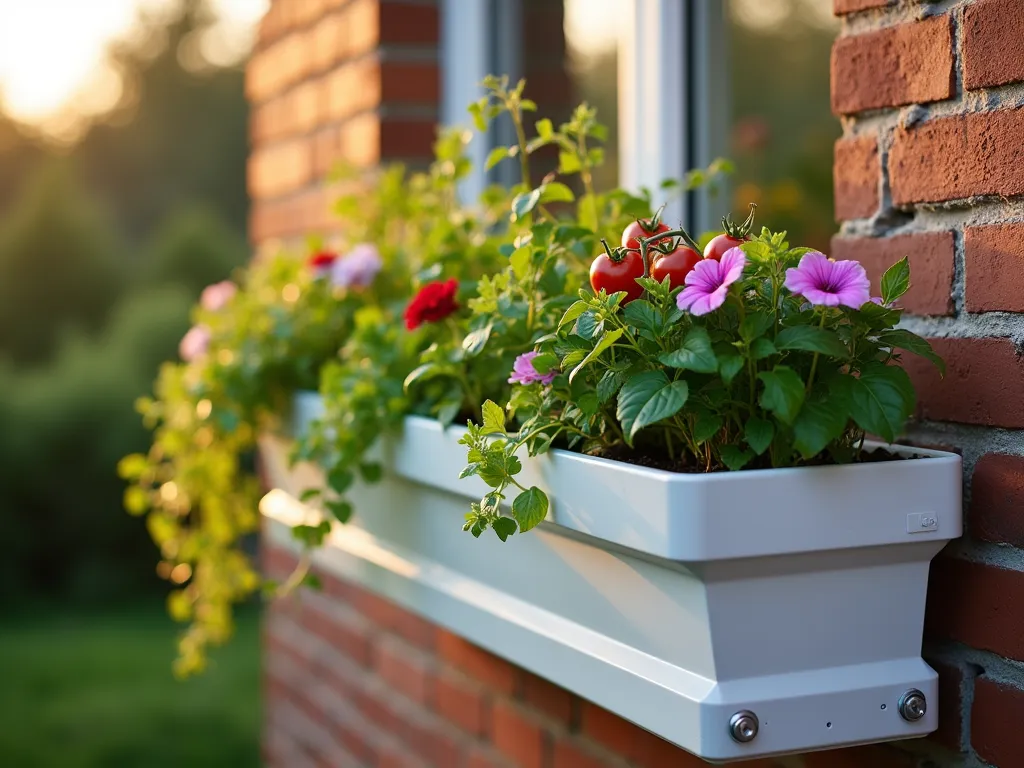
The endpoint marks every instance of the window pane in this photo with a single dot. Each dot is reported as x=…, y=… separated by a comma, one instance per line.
x=782, y=125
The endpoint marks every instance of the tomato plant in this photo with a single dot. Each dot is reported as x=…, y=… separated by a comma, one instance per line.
x=617, y=270
x=734, y=235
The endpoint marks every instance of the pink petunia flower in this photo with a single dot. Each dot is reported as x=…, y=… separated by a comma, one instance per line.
x=357, y=268
x=523, y=371
x=827, y=283
x=707, y=284
x=194, y=344
x=215, y=297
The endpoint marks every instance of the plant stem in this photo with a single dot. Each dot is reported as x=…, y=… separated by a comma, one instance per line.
x=814, y=362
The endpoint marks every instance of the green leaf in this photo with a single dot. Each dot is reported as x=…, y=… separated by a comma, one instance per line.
x=136, y=500
x=896, y=281
x=524, y=203
x=783, y=392
x=587, y=325
x=371, y=471
x=556, y=192
x=341, y=510
x=902, y=339
x=643, y=315
x=734, y=457
x=695, y=354
x=475, y=340
x=759, y=433
x=761, y=348
x=609, y=338
x=309, y=494
x=447, y=410
x=568, y=163
x=609, y=384
x=818, y=424
x=647, y=398
x=529, y=508
x=810, y=338
x=729, y=366
x=576, y=309
x=494, y=418
x=520, y=261
x=425, y=371
x=469, y=470
x=504, y=527
x=706, y=425
x=544, y=128
x=755, y=325
x=340, y=480
x=495, y=156
x=880, y=400
x=544, y=363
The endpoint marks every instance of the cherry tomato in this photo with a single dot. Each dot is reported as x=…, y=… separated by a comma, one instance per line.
x=641, y=228
x=719, y=244
x=621, y=275
x=676, y=265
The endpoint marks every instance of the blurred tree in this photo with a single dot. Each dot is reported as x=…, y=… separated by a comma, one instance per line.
x=192, y=249
x=179, y=134
x=20, y=154
x=59, y=266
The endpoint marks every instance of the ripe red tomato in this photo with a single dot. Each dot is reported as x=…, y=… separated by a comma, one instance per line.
x=621, y=275
x=719, y=244
x=676, y=265
x=642, y=228
x=734, y=235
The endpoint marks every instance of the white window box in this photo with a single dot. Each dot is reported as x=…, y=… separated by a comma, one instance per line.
x=673, y=600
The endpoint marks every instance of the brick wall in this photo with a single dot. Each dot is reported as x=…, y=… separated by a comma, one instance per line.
x=931, y=164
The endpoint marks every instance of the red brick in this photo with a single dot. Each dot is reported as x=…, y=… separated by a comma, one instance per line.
x=299, y=214
x=950, y=703
x=409, y=23
x=405, y=139
x=410, y=82
x=569, y=754
x=994, y=271
x=402, y=668
x=650, y=751
x=280, y=168
x=856, y=177
x=996, y=717
x=484, y=757
x=997, y=499
x=395, y=619
x=981, y=154
x=517, y=736
x=608, y=729
x=984, y=383
x=474, y=661
x=931, y=266
x=977, y=604
x=461, y=701
x=873, y=756
x=840, y=7
x=905, y=64
x=548, y=698
x=993, y=43
x=344, y=629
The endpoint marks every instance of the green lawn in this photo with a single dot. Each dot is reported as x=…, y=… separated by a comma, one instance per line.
x=83, y=690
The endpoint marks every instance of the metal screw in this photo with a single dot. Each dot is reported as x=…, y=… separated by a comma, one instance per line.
x=743, y=726
x=912, y=705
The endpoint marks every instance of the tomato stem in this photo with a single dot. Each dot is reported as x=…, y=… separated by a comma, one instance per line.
x=739, y=231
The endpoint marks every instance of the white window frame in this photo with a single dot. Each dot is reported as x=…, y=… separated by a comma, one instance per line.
x=673, y=91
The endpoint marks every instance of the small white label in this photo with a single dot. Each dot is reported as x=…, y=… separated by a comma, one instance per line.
x=922, y=522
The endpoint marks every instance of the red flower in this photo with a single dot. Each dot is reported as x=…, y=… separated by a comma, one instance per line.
x=434, y=302
x=321, y=261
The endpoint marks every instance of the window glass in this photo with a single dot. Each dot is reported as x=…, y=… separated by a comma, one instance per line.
x=782, y=126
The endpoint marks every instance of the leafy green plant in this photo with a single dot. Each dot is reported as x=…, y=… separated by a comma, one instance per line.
x=771, y=356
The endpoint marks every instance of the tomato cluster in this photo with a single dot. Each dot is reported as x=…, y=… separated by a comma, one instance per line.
x=674, y=257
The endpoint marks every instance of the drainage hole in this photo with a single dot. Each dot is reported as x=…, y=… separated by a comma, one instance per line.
x=828, y=725
x=883, y=706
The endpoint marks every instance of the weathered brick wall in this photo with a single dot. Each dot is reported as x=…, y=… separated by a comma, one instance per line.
x=931, y=164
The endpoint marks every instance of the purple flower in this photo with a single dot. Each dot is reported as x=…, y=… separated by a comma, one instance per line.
x=194, y=344
x=357, y=268
x=215, y=297
x=707, y=284
x=523, y=371
x=827, y=283
x=877, y=300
